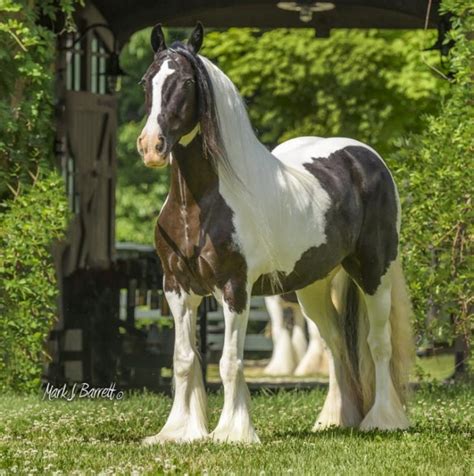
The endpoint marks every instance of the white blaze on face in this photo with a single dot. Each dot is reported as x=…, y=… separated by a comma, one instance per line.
x=151, y=127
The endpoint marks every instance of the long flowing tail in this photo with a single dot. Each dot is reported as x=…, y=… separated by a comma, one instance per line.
x=403, y=343
x=349, y=301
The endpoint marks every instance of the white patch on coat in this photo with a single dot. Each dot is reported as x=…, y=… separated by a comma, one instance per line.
x=302, y=150
x=291, y=144
x=151, y=126
x=387, y=411
x=235, y=423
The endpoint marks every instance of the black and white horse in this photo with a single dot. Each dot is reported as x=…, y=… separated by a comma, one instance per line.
x=320, y=217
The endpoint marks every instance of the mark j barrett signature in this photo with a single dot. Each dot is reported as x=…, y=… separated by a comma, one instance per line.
x=81, y=390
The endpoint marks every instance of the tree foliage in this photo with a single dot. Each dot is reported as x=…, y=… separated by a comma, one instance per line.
x=368, y=85
x=27, y=50
x=436, y=177
x=32, y=198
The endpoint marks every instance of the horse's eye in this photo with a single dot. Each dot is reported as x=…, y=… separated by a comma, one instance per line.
x=188, y=82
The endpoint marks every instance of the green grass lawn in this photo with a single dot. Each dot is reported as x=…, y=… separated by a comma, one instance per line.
x=429, y=369
x=92, y=436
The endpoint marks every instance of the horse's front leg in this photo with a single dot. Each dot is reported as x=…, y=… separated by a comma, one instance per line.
x=235, y=423
x=187, y=420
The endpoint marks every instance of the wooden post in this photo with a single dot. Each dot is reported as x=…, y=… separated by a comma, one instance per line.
x=131, y=301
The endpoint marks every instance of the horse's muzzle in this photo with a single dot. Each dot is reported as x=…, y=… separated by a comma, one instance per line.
x=154, y=150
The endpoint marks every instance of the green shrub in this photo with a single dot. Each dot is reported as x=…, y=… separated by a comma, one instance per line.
x=27, y=53
x=32, y=210
x=28, y=287
x=435, y=175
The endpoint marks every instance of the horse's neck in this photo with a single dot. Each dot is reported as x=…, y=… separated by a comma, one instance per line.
x=192, y=175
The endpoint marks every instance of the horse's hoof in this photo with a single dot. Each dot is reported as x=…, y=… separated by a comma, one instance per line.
x=385, y=417
x=164, y=437
x=222, y=436
x=153, y=440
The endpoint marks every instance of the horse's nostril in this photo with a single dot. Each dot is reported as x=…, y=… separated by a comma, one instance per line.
x=140, y=145
x=160, y=145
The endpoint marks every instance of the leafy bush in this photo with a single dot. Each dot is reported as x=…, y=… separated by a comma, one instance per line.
x=28, y=286
x=26, y=86
x=435, y=168
x=368, y=85
x=32, y=209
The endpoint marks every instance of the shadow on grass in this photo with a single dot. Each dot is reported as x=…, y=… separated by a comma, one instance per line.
x=333, y=433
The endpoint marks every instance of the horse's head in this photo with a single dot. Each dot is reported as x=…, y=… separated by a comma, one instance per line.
x=171, y=97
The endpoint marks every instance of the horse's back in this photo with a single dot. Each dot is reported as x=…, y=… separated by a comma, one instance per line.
x=301, y=150
x=340, y=164
x=364, y=212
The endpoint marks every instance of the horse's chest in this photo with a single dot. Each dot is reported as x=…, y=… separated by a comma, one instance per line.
x=195, y=245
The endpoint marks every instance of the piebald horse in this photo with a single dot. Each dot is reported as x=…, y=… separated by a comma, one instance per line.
x=320, y=217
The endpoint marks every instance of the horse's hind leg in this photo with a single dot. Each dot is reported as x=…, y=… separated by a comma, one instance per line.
x=188, y=417
x=387, y=412
x=282, y=361
x=298, y=336
x=315, y=360
x=341, y=407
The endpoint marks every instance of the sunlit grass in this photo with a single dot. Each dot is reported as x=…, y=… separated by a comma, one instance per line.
x=438, y=367
x=428, y=369
x=104, y=437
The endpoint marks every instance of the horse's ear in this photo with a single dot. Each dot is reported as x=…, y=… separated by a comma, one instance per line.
x=195, y=40
x=157, y=39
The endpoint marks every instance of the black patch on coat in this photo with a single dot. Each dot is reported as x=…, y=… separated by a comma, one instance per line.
x=290, y=297
x=363, y=194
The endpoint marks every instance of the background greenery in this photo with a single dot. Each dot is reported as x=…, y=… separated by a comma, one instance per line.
x=28, y=282
x=32, y=197
x=435, y=175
